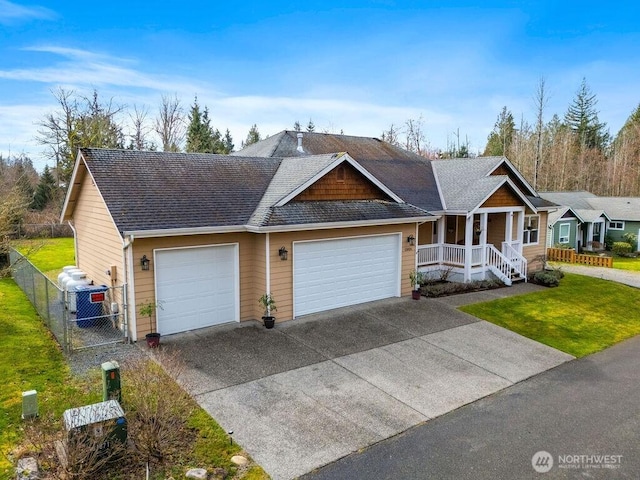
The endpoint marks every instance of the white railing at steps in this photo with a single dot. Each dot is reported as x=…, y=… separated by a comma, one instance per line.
x=518, y=262
x=500, y=263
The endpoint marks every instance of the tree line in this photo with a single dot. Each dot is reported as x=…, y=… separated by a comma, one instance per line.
x=571, y=152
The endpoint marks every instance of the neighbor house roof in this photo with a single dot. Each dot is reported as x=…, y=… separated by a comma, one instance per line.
x=618, y=208
x=559, y=215
x=161, y=191
x=577, y=199
x=408, y=175
x=590, y=215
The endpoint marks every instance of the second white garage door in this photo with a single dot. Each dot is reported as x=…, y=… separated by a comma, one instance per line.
x=336, y=273
x=197, y=287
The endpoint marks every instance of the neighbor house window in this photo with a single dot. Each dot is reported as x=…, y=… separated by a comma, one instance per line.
x=616, y=225
x=565, y=230
x=531, y=229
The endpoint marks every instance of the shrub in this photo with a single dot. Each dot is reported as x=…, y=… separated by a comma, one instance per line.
x=631, y=239
x=608, y=241
x=548, y=278
x=621, y=247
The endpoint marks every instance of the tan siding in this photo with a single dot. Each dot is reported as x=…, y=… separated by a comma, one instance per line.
x=532, y=253
x=282, y=271
x=503, y=197
x=144, y=280
x=351, y=185
x=496, y=229
x=425, y=233
x=99, y=244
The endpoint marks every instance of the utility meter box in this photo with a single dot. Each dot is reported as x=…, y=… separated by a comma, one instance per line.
x=111, y=381
x=97, y=426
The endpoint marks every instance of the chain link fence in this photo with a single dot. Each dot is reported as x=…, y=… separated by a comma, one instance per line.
x=41, y=230
x=90, y=316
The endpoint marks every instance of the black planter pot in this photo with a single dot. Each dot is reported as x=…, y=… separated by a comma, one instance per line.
x=415, y=294
x=269, y=322
x=153, y=339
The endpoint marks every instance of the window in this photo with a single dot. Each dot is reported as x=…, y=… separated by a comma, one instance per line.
x=565, y=230
x=531, y=229
x=616, y=225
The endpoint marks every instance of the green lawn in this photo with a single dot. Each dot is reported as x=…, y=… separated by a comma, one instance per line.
x=625, y=263
x=49, y=255
x=582, y=316
x=31, y=359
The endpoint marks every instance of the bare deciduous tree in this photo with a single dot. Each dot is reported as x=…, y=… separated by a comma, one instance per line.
x=170, y=123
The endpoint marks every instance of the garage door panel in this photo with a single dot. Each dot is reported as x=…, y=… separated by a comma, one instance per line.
x=336, y=273
x=197, y=287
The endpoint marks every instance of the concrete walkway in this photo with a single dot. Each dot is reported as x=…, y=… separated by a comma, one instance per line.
x=614, y=274
x=315, y=389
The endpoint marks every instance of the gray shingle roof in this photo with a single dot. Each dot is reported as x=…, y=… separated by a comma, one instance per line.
x=162, y=190
x=408, y=175
x=569, y=199
x=295, y=213
x=464, y=182
x=618, y=208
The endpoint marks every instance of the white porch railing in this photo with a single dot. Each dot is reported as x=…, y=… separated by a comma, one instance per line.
x=482, y=257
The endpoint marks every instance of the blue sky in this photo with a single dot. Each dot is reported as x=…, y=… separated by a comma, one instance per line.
x=351, y=66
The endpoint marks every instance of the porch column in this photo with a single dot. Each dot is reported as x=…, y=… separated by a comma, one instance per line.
x=484, y=217
x=508, y=229
x=520, y=231
x=589, y=235
x=442, y=230
x=468, y=245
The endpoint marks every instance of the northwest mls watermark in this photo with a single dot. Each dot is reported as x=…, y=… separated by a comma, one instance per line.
x=543, y=461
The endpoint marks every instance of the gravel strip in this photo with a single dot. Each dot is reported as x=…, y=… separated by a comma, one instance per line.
x=82, y=361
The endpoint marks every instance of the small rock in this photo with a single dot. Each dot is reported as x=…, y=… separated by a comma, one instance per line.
x=27, y=469
x=198, y=473
x=239, y=460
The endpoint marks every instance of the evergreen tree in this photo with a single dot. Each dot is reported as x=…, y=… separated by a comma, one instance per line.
x=45, y=191
x=311, y=127
x=582, y=118
x=297, y=127
x=501, y=138
x=227, y=143
x=252, y=137
x=200, y=136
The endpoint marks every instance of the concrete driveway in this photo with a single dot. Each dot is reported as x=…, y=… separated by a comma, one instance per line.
x=313, y=390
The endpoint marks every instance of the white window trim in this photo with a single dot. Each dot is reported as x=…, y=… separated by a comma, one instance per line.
x=527, y=222
x=567, y=236
x=616, y=222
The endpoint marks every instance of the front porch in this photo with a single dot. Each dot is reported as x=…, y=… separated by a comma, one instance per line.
x=464, y=246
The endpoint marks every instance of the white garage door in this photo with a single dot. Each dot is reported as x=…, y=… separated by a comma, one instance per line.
x=197, y=287
x=336, y=273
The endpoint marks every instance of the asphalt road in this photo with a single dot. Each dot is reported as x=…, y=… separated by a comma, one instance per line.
x=584, y=413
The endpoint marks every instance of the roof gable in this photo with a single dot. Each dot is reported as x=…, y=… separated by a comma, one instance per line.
x=344, y=182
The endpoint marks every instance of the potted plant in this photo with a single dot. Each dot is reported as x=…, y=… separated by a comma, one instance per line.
x=414, y=276
x=148, y=309
x=269, y=305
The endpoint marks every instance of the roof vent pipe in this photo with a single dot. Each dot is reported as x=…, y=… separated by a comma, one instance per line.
x=300, y=149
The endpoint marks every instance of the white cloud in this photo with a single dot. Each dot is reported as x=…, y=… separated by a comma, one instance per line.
x=12, y=12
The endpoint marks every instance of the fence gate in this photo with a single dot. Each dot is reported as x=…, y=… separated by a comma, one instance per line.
x=89, y=317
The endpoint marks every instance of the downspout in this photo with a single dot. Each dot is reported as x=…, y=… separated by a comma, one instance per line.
x=127, y=254
x=267, y=265
x=75, y=242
